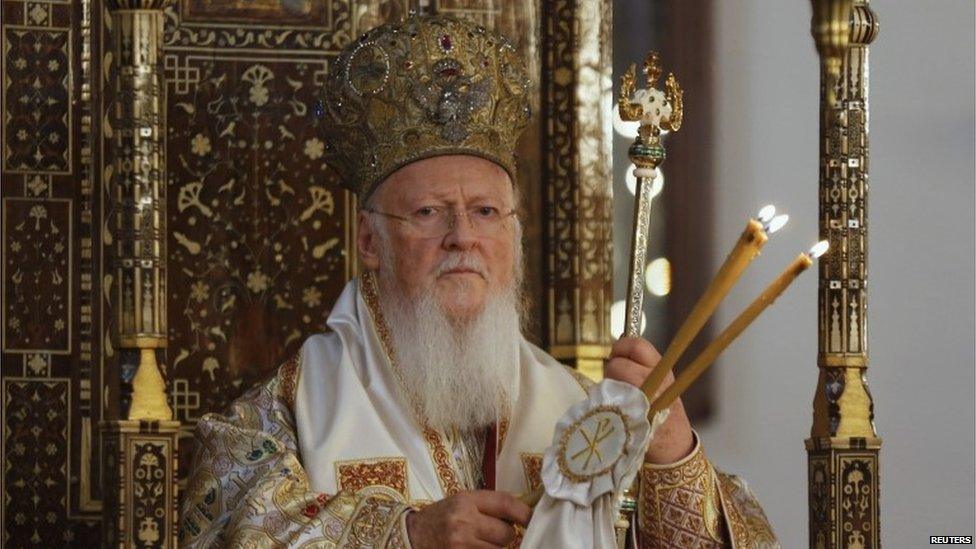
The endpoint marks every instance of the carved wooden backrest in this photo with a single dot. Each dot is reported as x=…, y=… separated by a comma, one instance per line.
x=259, y=239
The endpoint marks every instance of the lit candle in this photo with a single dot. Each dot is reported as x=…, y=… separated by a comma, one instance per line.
x=765, y=299
x=746, y=249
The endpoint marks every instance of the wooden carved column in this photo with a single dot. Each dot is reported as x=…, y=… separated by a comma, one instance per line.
x=843, y=446
x=140, y=451
x=577, y=178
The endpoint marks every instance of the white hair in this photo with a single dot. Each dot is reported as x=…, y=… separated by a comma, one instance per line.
x=460, y=374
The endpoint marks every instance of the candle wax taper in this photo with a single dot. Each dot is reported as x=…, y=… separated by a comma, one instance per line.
x=711, y=352
x=746, y=249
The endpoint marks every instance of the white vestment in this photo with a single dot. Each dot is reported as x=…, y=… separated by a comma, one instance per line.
x=325, y=453
x=347, y=410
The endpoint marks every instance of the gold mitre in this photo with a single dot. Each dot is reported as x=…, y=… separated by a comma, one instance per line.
x=427, y=86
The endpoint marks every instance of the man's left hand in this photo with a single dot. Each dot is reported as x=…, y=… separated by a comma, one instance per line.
x=631, y=360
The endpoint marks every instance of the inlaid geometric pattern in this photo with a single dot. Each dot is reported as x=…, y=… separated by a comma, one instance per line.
x=819, y=486
x=141, y=473
x=258, y=246
x=36, y=275
x=46, y=225
x=309, y=27
x=843, y=495
x=259, y=231
x=258, y=243
x=151, y=516
x=35, y=457
x=858, y=486
x=578, y=201
x=294, y=13
x=843, y=449
x=844, y=182
x=36, y=114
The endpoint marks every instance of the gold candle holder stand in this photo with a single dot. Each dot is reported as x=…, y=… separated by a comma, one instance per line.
x=843, y=448
x=141, y=450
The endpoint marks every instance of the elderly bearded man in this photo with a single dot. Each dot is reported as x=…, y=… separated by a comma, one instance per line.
x=417, y=419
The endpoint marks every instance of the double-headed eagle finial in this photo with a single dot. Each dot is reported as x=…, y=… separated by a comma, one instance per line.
x=654, y=109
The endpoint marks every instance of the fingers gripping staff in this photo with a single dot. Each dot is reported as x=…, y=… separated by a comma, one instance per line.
x=596, y=452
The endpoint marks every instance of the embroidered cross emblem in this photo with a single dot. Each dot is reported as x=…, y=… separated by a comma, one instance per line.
x=593, y=444
x=593, y=440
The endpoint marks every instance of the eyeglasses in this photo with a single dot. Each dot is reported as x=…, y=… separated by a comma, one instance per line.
x=435, y=222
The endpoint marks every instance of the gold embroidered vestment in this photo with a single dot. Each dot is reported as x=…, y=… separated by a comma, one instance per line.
x=252, y=485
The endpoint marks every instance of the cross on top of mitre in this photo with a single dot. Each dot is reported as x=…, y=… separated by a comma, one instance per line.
x=656, y=110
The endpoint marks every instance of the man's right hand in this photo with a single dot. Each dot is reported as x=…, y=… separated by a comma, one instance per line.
x=480, y=518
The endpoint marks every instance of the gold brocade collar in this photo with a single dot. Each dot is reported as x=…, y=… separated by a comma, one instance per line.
x=370, y=289
x=447, y=473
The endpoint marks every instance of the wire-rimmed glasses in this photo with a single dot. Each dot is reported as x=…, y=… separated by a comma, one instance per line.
x=435, y=221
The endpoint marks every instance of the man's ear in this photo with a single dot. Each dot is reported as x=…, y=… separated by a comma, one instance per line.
x=366, y=242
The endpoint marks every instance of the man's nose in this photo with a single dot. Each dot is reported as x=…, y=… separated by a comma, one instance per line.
x=460, y=234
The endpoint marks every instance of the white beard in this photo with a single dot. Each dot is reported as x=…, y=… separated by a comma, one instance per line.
x=458, y=374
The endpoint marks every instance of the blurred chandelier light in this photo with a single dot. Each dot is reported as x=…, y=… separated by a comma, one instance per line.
x=618, y=312
x=624, y=129
x=657, y=184
x=657, y=276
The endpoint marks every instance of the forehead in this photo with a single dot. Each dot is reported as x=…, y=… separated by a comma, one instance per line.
x=449, y=176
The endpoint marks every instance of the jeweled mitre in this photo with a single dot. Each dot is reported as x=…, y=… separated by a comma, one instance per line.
x=424, y=87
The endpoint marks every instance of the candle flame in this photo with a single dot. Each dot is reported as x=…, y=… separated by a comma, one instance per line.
x=819, y=249
x=777, y=223
x=766, y=214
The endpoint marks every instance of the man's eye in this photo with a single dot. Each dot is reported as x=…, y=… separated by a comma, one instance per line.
x=426, y=211
x=486, y=212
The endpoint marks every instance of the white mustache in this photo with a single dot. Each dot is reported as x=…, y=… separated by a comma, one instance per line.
x=461, y=260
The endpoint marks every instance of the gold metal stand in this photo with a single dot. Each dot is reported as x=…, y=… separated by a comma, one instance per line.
x=140, y=452
x=843, y=446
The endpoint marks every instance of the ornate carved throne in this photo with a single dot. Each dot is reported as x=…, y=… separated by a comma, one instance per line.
x=165, y=200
